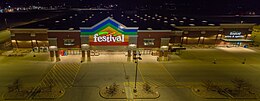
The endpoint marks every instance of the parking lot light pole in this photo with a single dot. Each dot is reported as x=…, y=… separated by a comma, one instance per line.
x=136, y=58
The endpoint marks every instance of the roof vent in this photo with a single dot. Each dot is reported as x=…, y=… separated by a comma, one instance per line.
x=158, y=19
x=212, y=24
x=192, y=24
x=165, y=21
x=160, y=16
x=57, y=21
x=122, y=15
x=172, y=19
x=71, y=29
x=71, y=17
x=145, y=19
x=181, y=21
x=204, y=21
x=131, y=19
x=64, y=19
x=173, y=25
x=192, y=19
x=148, y=16
x=83, y=21
x=86, y=19
x=135, y=21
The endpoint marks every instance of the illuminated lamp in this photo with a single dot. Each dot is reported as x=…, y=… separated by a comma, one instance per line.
x=84, y=46
x=13, y=41
x=132, y=46
x=33, y=40
x=53, y=48
x=121, y=27
x=219, y=34
x=248, y=34
x=164, y=47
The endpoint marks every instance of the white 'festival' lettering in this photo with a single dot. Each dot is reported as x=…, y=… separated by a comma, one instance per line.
x=109, y=38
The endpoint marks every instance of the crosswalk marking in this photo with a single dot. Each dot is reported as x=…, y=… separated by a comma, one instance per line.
x=62, y=75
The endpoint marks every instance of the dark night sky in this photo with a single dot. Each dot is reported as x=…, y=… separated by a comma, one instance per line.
x=203, y=5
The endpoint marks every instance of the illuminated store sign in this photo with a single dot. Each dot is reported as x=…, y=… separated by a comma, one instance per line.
x=108, y=37
x=108, y=32
x=234, y=34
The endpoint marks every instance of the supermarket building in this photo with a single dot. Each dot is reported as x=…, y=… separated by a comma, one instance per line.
x=161, y=34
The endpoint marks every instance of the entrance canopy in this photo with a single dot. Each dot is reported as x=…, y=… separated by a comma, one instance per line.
x=108, y=32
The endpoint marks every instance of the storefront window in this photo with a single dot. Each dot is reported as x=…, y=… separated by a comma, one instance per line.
x=69, y=42
x=148, y=42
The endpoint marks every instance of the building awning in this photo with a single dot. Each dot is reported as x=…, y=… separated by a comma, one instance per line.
x=237, y=40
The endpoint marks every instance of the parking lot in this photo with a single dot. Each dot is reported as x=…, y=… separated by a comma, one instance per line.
x=173, y=78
